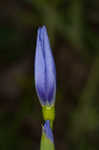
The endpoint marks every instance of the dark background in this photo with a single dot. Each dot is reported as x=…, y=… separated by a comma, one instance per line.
x=73, y=29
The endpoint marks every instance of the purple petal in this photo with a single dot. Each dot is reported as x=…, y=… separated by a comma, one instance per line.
x=50, y=68
x=40, y=71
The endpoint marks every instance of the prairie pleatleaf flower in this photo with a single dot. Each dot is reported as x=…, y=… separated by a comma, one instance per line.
x=45, y=72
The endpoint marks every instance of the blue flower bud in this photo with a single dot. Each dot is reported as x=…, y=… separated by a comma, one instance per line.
x=45, y=73
x=48, y=131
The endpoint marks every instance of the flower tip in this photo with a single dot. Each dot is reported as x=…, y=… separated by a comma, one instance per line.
x=43, y=28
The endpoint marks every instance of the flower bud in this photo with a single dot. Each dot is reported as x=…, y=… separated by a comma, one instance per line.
x=45, y=73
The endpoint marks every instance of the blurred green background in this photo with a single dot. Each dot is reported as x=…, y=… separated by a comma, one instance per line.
x=73, y=29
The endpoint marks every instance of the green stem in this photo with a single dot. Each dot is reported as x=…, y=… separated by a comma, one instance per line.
x=49, y=114
x=46, y=144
